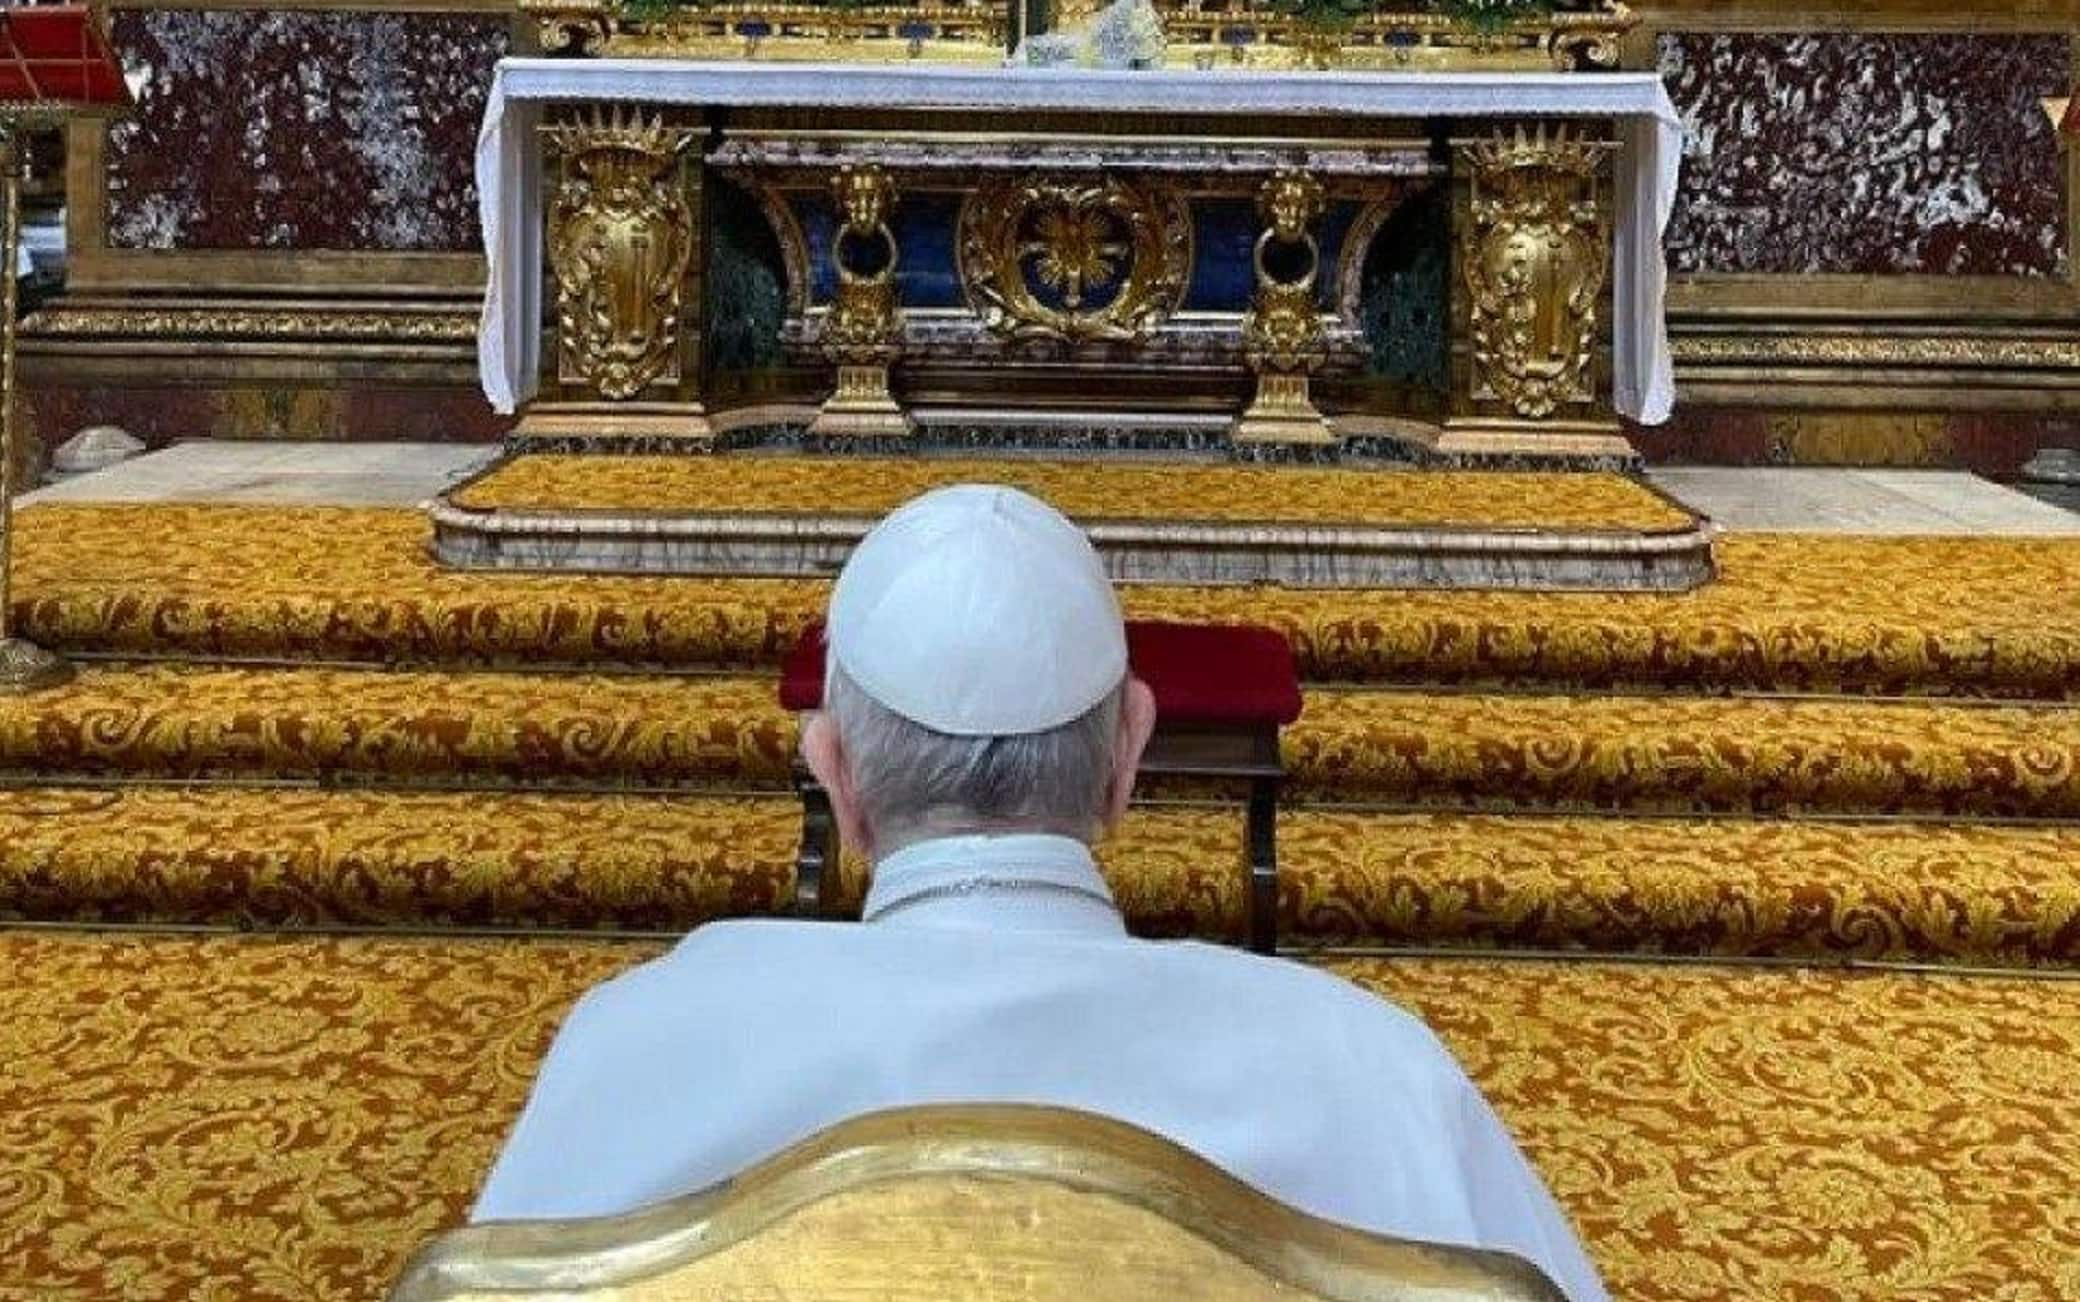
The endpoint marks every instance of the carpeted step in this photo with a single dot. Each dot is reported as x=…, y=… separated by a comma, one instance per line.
x=372, y=725
x=1883, y=891
x=1893, y=615
x=299, y=858
x=226, y=856
x=1674, y=753
x=1652, y=753
x=288, y=1118
x=423, y=861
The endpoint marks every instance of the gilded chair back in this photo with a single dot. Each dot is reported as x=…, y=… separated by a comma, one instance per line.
x=985, y=1203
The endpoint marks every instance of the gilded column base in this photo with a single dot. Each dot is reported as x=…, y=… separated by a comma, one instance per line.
x=1502, y=436
x=862, y=407
x=26, y=667
x=1283, y=412
x=664, y=420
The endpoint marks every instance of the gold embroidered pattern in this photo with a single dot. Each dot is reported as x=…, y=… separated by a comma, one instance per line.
x=1993, y=615
x=289, y=1118
x=1087, y=491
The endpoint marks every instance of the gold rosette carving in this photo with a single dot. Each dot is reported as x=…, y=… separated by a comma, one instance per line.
x=1079, y=260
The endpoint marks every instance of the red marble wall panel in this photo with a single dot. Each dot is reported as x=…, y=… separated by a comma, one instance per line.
x=1874, y=154
x=300, y=130
x=1990, y=443
x=165, y=413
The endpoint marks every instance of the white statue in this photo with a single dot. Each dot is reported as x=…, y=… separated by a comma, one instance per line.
x=1124, y=34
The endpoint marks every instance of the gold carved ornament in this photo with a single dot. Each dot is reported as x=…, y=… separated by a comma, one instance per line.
x=863, y=331
x=1282, y=333
x=864, y=325
x=622, y=235
x=1536, y=253
x=1079, y=260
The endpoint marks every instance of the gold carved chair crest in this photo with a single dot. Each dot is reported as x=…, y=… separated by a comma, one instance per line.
x=971, y=1202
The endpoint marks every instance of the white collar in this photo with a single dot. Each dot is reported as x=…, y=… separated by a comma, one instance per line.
x=1019, y=882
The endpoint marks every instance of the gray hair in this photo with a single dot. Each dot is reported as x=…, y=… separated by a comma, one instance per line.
x=915, y=782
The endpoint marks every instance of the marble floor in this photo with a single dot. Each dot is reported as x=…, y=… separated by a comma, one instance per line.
x=222, y=470
x=401, y=474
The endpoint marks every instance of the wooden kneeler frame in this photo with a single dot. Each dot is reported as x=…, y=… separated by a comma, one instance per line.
x=1222, y=694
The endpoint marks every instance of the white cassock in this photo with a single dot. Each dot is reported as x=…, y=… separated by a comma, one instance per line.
x=996, y=969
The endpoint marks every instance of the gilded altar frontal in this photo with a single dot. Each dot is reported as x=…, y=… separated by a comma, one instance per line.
x=1040, y=650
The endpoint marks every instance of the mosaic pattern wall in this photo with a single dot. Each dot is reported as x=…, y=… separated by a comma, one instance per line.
x=1875, y=154
x=305, y=130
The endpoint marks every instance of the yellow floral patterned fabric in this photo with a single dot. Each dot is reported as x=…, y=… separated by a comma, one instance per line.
x=1963, y=615
x=299, y=858
x=261, y=1119
x=1085, y=490
x=1462, y=750
x=1687, y=753
x=1759, y=1136
x=1904, y=892
x=1980, y=895
x=179, y=720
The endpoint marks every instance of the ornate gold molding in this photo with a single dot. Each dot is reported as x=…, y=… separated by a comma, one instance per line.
x=953, y=31
x=1879, y=350
x=622, y=235
x=208, y=322
x=1079, y=260
x=1535, y=255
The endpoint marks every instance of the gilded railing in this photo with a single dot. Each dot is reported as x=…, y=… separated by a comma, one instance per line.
x=1208, y=34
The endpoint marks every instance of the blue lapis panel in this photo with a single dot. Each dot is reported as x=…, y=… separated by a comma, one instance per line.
x=1332, y=231
x=818, y=217
x=1224, y=231
x=925, y=230
x=926, y=226
x=1225, y=235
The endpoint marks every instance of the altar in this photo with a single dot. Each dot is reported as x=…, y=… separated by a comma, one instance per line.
x=1168, y=249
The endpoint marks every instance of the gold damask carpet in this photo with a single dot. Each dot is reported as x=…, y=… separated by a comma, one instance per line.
x=1985, y=895
x=1945, y=615
x=1083, y=490
x=1662, y=753
x=235, y=1118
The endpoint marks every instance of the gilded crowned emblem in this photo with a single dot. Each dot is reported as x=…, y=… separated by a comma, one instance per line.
x=622, y=235
x=1536, y=254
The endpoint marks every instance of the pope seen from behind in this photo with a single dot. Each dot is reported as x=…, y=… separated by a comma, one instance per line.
x=980, y=731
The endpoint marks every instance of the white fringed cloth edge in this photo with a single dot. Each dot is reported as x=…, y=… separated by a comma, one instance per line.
x=509, y=158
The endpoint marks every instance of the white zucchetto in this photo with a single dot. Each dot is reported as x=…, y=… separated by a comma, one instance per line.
x=979, y=611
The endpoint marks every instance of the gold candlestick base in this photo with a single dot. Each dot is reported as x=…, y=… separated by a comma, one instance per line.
x=1284, y=413
x=862, y=407
x=26, y=667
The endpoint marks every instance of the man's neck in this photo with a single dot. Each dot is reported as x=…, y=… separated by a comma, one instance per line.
x=1015, y=880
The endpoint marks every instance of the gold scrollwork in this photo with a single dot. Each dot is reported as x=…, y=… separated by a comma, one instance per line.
x=622, y=236
x=1080, y=260
x=863, y=332
x=312, y=323
x=1879, y=350
x=1282, y=334
x=1536, y=254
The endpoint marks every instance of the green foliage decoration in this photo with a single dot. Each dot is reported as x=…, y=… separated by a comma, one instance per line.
x=1481, y=15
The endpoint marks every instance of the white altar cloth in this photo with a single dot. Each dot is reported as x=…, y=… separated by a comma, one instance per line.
x=509, y=158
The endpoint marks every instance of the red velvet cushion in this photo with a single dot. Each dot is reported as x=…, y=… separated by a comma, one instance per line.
x=1200, y=673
